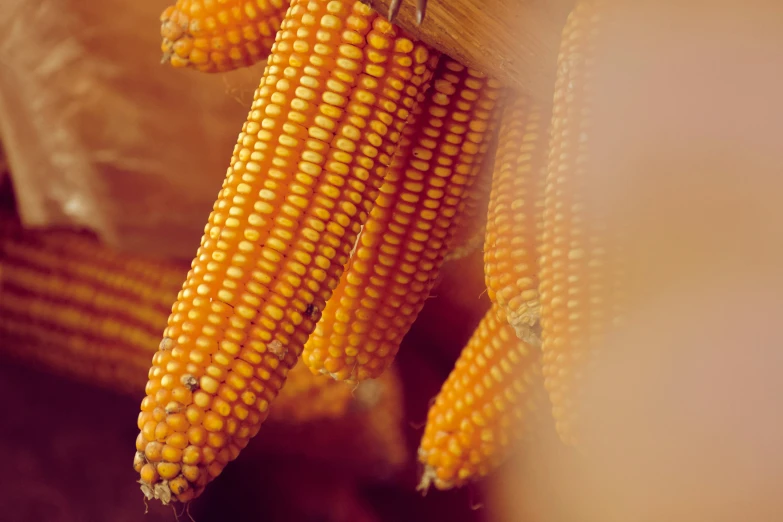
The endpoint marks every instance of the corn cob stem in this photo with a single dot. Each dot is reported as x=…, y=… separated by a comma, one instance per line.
x=515, y=214
x=338, y=88
x=482, y=407
x=573, y=303
x=211, y=36
x=402, y=245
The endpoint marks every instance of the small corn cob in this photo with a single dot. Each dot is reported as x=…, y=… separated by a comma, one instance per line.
x=75, y=307
x=574, y=308
x=402, y=245
x=482, y=408
x=515, y=214
x=336, y=93
x=470, y=229
x=218, y=36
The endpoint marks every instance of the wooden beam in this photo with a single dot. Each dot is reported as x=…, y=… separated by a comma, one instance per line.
x=515, y=41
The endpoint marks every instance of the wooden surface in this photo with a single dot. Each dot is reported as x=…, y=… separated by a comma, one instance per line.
x=515, y=41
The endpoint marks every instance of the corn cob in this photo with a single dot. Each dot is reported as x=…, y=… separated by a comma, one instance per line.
x=515, y=214
x=574, y=309
x=402, y=245
x=336, y=93
x=211, y=36
x=470, y=229
x=482, y=407
x=73, y=306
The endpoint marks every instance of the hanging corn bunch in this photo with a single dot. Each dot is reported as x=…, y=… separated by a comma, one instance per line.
x=339, y=86
x=403, y=243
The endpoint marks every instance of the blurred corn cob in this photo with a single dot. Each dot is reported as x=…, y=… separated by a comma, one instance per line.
x=367, y=440
x=575, y=309
x=73, y=306
x=514, y=216
x=217, y=36
x=54, y=290
x=336, y=93
x=482, y=408
x=402, y=245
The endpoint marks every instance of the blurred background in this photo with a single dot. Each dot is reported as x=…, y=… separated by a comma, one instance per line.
x=111, y=163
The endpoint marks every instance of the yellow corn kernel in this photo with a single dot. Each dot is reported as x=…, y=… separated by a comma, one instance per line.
x=515, y=214
x=483, y=407
x=401, y=247
x=339, y=86
x=210, y=36
x=574, y=310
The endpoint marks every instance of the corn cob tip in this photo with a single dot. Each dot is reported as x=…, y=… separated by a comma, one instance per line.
x=428, y=476
x=527, y=328
x=351, y=380
x=220, y=36
x=160, y=491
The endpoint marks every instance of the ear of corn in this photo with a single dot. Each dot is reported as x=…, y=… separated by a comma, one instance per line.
x=402, y=245
x=482, y=408
x=515, y=214
x=337, y=90
x=574, y=309
x=75, y=307
x=217, y=36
